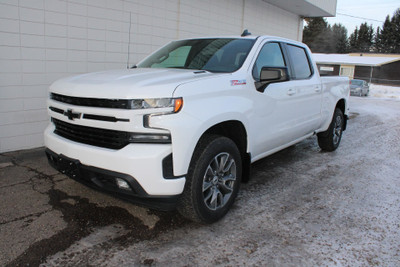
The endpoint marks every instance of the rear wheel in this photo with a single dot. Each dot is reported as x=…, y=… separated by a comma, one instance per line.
x=213, y=180
x=330, y=139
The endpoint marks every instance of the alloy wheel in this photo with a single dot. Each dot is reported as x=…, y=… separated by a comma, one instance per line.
x=219, y=180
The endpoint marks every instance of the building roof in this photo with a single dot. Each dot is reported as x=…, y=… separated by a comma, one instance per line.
x=346, y=59
x=307, y=8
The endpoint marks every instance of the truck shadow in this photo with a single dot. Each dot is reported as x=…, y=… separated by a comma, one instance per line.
x=83, y=216
x=268, y=168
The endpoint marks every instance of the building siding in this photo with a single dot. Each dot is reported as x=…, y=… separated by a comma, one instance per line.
x=385, y=74
x=44, y=40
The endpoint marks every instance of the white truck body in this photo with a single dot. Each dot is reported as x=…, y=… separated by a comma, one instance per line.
x=283, y=114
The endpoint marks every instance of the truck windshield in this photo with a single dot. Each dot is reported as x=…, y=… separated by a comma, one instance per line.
x=214, y=55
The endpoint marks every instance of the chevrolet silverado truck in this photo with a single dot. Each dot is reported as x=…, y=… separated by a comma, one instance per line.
x=180, y=129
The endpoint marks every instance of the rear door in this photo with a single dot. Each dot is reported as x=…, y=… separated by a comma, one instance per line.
x=307, y=90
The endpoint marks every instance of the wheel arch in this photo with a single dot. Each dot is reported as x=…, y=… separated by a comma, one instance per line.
x=236, y=131
x=341, y=104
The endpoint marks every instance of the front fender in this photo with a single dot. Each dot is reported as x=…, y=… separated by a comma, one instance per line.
x=197, y=116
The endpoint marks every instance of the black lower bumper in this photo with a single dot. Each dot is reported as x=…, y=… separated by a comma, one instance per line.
x=106, y=181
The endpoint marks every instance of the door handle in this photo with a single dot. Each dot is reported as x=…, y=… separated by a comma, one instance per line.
x=291, y=91
x=317, y=89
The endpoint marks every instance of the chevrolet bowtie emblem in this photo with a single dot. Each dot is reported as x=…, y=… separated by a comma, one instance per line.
x=71, y=115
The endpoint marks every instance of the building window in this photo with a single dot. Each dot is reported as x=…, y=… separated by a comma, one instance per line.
x=347, y=71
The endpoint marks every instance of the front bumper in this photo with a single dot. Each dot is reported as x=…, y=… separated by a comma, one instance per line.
x=105, y=181
x=140, y=164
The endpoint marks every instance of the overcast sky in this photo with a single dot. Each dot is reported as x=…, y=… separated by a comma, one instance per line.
x=376, y=10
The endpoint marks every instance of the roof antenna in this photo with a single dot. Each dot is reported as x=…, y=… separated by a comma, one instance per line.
x=246, y=33
x=129, y=39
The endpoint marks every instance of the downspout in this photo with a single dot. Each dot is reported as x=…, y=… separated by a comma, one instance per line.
x=370, y=75
x=300, y=30
x=243, y=7
x=178, y=21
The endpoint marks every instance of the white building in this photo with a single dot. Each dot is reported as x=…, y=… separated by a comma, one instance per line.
x=43, y=40
x=377, y=68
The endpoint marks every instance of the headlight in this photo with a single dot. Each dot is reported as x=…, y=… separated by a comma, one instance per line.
x=174, y=103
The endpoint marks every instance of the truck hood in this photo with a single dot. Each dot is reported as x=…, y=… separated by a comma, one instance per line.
x=127, y=84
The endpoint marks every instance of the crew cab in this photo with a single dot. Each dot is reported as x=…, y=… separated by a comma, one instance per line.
x=181, y=128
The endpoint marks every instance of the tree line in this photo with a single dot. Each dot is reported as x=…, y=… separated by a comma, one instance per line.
x=324, y=38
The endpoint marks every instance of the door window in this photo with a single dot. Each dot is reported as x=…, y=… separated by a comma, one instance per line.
x=301, y=64
x=269, y=56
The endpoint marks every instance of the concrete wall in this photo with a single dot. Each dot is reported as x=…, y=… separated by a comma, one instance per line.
x=43, y=40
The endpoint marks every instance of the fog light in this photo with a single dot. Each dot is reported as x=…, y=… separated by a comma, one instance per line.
x=123, y=184
x=150, y=138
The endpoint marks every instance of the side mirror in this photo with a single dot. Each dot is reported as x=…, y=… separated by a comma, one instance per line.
x=270, y=75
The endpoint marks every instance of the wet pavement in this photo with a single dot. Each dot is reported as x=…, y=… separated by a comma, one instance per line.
x=301, y=207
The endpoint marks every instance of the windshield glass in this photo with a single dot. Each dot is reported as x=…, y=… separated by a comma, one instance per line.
x=356, y=82
x=214, y=55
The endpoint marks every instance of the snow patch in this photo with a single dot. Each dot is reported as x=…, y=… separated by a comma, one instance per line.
x=384, y=92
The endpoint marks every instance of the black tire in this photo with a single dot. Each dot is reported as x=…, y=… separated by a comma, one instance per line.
x=204, y=184
x=330, y=139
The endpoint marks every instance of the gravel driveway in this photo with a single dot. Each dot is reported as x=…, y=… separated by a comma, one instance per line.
x=302, y=207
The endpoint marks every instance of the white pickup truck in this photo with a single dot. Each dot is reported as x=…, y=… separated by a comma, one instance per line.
x=182, y=127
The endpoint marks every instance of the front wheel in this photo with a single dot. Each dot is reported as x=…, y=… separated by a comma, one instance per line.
x=330, y=139
x=213, y=180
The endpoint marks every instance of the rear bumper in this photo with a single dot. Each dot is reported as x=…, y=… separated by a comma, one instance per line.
x=355, y=91
x=106, y=181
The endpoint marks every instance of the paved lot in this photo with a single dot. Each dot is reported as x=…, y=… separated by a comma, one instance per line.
x=301, y=207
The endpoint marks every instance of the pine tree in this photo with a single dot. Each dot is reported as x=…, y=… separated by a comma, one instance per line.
x=365, y=37
x=341, y=43
x=362, y=39
x=353, y=41
x=329, y=42
x=396, y=31
x=318, y=35
x=386, y=41
x=378, y=47
x=322, y=38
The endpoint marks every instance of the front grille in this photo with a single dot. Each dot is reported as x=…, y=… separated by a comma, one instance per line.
x=94, y=102
x=92, y=136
